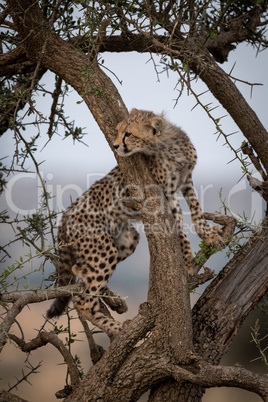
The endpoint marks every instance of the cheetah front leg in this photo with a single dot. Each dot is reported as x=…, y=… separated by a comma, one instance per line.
x=114, y=301
x=211, y=235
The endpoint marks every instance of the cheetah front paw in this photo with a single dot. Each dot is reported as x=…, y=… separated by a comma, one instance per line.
x=115, y=302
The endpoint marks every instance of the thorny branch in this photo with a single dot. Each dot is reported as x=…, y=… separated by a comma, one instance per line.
x=32, y=369
x=21, y=300
x=53, y=112
x=50, y=337
x=45, y=193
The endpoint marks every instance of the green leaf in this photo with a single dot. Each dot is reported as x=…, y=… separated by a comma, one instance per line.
x=213, y=35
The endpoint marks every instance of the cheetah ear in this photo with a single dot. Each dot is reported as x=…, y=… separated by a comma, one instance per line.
x=157, y=124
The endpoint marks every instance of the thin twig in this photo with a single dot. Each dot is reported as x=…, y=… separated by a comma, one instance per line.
x=33, y=370
x=21, y=300
x=50, y=337
x=55, y=97
x=96, y=351
x=45, y=193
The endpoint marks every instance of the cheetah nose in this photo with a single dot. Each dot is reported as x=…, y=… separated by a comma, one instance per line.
x=116, y=146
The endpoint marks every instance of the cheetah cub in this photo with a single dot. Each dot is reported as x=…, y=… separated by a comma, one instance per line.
x=96, y=231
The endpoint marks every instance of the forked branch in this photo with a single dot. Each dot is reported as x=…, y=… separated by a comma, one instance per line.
x=50, y=337
x=21, y=300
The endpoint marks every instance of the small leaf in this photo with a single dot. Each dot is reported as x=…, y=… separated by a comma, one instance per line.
x=213, y=35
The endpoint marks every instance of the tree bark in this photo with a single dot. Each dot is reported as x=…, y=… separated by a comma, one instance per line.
x=8, y=397
x=227, y=301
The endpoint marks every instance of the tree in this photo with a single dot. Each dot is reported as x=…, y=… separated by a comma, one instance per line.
x=166, y=348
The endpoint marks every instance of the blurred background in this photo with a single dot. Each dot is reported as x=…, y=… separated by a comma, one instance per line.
x=69, y=169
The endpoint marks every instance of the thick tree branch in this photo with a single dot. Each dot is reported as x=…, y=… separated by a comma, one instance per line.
x=219, y=376
x=236, y=31
x=12, y=56
x=123, y=346
x=129, y=42
x=151, y=369
x=226, y=302
x=20, y=66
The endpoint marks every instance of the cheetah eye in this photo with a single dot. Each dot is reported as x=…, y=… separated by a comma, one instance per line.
x=154, y=131
x=127, y=134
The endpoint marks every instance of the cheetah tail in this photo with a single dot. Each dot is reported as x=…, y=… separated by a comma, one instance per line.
x=58, y=307
x=65, y=275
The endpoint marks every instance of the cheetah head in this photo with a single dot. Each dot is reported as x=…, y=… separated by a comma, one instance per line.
x=140, y=132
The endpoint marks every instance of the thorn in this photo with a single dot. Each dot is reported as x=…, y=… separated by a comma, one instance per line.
x=194, y=106
x=232, y=68
x=202, y=93
x=231, y=161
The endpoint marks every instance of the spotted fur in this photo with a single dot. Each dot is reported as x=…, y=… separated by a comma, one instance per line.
x=96, y=232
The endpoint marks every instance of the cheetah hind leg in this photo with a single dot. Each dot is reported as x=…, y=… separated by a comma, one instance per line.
x=94, y=310
x=114, y=301
x=91, y=306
